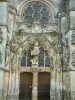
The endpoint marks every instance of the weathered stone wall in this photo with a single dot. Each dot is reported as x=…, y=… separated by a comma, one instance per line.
x=3, y=37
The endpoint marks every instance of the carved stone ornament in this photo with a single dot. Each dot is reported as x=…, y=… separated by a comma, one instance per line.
x=14, y=46
x=35, y=52
x=1, y=38
x=73, y=37
x=37, y=28
x=73, y=58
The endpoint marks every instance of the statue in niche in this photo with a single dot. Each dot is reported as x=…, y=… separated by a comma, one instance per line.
x=35, y=52
x=1, y=38
x=73, y=58
x=73, y=38
x=0, y=57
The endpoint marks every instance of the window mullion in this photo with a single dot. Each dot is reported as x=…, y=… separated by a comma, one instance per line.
x=26, y=58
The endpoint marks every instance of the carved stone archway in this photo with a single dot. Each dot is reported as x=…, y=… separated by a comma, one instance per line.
x=20, y=43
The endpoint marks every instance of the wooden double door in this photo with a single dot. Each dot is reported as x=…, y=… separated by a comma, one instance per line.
x=43, y=86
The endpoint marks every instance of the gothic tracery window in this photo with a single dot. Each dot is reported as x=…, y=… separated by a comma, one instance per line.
x=43, y=58
x=36, y=12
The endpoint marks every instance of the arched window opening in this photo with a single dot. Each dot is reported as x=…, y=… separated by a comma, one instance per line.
x=43, y=58
x=36, y=12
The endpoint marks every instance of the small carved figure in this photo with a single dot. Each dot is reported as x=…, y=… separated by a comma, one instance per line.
x=36, y=50
x=34, y=61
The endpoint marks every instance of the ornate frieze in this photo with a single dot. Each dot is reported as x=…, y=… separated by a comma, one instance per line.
x=37, y=28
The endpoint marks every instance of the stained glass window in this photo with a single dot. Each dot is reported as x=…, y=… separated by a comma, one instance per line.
x=41, y=57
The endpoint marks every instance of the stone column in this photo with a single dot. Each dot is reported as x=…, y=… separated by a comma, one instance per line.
x=17, y=85
x=35, y=86
x=52, y=89
x=35, y=52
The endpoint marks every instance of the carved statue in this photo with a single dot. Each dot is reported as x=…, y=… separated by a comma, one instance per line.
x=35, y=52
x=34, y=61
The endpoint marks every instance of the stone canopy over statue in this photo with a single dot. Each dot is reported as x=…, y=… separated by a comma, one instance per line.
x=35, y=52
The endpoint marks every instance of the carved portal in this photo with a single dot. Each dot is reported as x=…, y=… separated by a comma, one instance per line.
x=22, y=42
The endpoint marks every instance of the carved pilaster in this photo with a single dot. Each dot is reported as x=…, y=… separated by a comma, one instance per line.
x=5, y=87
x=34, y=87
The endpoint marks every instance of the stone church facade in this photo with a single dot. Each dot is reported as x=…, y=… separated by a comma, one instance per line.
x=37, y=49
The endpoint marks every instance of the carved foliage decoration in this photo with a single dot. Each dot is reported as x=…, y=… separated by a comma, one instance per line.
x=73, y=58
x=36, y=28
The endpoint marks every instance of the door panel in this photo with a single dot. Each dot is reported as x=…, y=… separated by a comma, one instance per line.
x=44, y=86
x=25, y=86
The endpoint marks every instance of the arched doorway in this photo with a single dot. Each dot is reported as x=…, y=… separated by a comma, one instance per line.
x=44, y=86
x=25, y=86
